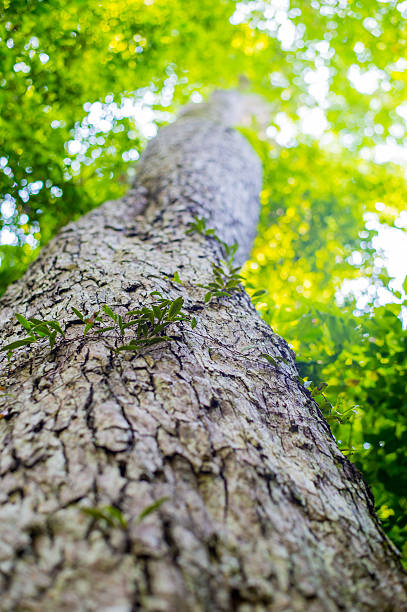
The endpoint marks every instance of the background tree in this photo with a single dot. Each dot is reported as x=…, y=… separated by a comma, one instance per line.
x=84, y=86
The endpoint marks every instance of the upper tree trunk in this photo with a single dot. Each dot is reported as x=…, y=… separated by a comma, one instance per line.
x=264, y=512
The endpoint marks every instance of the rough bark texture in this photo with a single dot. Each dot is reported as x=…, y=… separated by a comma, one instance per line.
x=263, y=511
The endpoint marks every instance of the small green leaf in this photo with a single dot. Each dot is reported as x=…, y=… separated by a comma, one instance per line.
x=258, y=293
x=116, y=514
x=156, y=340
x=40, y=328
x=109, y=514
x=78, y=314
x=23, y=321
x=142, y=330
x=56, y=326
x=151, y=508
x=269, y=358
x=208, y=297
x=128, y=347
x=95, y=513
x=88, y=327
x=52, y=338
x=158, y=329
x=133, y=313
x=232, y=284
x=158, y=313
x=109, y=312
x=149, y=315
x=18, y=343
x=37, y=321
x=130, y=323
x=217, y=269
x=194, y=322
x=318, y=390
x=175, y=307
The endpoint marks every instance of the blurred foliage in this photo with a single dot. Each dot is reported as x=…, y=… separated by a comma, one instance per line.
x=84, y=84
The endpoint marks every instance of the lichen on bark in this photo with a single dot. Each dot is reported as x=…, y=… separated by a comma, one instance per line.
x=263, y=510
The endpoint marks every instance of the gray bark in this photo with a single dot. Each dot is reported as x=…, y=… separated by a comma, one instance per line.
x=263, y=510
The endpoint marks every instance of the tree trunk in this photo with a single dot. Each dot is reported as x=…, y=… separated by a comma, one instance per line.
x=263, y=512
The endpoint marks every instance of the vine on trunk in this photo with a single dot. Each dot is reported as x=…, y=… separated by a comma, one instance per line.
x=152, y=322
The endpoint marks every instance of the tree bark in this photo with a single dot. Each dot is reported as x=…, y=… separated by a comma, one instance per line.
x=263, y=510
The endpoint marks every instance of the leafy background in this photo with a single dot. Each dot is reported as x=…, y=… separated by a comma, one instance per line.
x=85, y=84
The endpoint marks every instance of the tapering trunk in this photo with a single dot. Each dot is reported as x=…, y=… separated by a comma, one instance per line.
x=263, y=511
